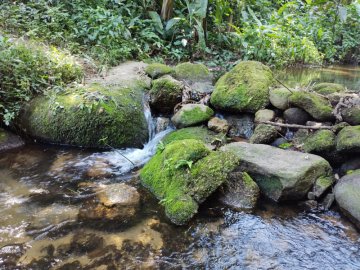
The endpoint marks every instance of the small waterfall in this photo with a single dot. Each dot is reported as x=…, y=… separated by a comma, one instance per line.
x=148, y=117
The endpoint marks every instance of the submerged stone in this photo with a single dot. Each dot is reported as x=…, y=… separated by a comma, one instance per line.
x=347, y=195
x=184, y=174
x=88, y=116
x=280, y=174
x=192, y=114
x=245, y=88
x=317, y=106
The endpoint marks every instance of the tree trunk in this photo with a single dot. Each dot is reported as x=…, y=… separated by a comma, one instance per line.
x=167, y=9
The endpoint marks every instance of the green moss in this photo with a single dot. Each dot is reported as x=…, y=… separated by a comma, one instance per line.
x=180, y=188
x=348, y=139
x=270, y=185
x=165, y=93
x=317, y=106
x=248, y=181
x=157, y=70
x=192, y=72
x=351, y=115
x=264, y=134
x=320, y=141
x=244, y=89
x=91, y=116
x=192, y=114
x=328, y=88
x=197, y=133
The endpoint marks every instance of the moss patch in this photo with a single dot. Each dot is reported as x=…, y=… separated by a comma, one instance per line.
x=328, y=88
x=91, y=116
x=192, y=114
x=244, y=89
x=348, y=140
x=264, y=134
x=192, y=72
x=197, y=133
x=320, y=141
x=184, y=174
x=317, y=106
x=157, y=70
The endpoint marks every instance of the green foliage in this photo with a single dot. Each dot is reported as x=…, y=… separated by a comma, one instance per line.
x=28, y=69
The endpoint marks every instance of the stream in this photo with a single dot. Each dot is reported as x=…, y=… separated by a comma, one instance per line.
x=42, y=188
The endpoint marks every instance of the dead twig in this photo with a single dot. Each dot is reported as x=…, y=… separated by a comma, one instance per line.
x=295, y=126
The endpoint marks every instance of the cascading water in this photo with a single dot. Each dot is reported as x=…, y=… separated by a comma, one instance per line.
x=125, y=160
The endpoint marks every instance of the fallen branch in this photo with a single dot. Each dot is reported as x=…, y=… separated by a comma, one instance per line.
x=294, y=125
x=284, y=85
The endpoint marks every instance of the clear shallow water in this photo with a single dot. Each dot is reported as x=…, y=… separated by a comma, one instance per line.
x=297, y=77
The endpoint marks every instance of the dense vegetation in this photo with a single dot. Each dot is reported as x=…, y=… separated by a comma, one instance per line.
x=217, y=32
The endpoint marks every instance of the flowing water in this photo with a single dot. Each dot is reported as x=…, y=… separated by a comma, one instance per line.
x=42, y=189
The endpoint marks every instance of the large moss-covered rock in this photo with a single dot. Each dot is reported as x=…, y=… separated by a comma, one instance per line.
x=280, y=174
x=347, y=195
x=156, y=70
x=348, y=140
x=196, y=133
x=244, y=89
x=184, y=174
x=317, y=106
x=320, y=141
x=88, y=116
x=192, y=72
x=264, y=134
x=279, y=98
x=328, y=88
x=192, y=114
x=165, y=93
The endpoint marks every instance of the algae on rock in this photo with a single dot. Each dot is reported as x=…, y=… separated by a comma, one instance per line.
x=88, y=116
x=245, y=88
x=196, y=133
x=192, y=114
x=192, y=72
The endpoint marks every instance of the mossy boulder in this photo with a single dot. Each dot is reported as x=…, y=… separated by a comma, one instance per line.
x=280, y=174
x=351, y=115
x=264, y=134
x=328, y=88
x=245, y=88
x=192, y=114
x=264, y=115
x=184, y=174
x=279, y=98
x=317, y=106
x=192, y=72
x=320, y=141
x=165, y=93
x=348, y=140
x=157, y=70
x=88, y=116
x=240, y=192
x=196, y=133
x=347, y=195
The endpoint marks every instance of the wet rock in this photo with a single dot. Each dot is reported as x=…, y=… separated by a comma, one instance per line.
x=83, y=242
x=351, y=115
x=309, y=205
x=218, y=125
x=317, y=106
x=319, y=142
x=192, y=72
x=264, y=115
x=240, y=192
x=75, y=265
x=296, y=116
x=99, y=169
x=289, y=178
x=328, y=88
x=88, y=116
x=192, y=114
x=245, y=88
x=241, y=125
x=156, y=70
x=279, y=98
x=9, y=256
x=118, y=203
x=350, y=165
x=280, y=142
x=348, y=140
x=347, y=195
x=264, y=134
x=168, y=176
x=328, y=201
x=322, y=184
x=196, y=133
x=162, y=123
x=165, y=93
x=9, y=141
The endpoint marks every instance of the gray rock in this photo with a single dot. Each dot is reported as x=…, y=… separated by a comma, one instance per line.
x=328, y=201
x=264, y=115
x=241, y=125
x=240, y=192
x=279, y=98
x=296, y=116
x=264, y=134
x=281, y=175
x=347, y=195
